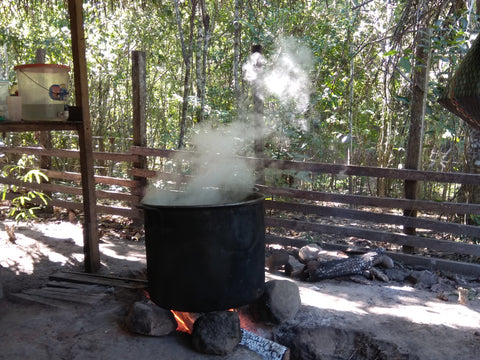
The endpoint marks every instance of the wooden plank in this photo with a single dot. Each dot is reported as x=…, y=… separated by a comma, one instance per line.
x=144, y=173
x=77, y=286
x=375, y=235
x=90, y=230
x=41, y=300
x=20, y=126
x=64, y=189
x=178, y=178
x=115, y=156
x=411, y=260
x=72, y=190
x=73, y=176
x=331, y=169
x=63, y=153
x=102, y=209
x=334, y=169
x=69, y=296
x=359, y=215
x=100, y=280
x=370, y=171
x=144, y=151
x=456, y=267
x=33, y=150
x=360, y=200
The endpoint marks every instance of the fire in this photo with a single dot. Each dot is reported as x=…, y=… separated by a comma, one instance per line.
x=185, y=320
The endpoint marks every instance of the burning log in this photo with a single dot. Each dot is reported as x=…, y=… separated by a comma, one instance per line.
x=357, y=265
x=267, y=349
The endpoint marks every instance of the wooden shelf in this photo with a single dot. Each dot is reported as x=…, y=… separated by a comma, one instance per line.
x=90, y=234
x=47, y=125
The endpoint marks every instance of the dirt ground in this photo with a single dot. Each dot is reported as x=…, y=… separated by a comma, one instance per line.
x=418, y=321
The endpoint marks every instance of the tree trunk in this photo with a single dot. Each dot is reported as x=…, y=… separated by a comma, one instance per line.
x=417, y=117
x=201, y=64
x=258, y=113
x=187, y=59
x=236, y=51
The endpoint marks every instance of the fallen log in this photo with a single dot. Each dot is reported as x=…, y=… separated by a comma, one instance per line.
x=356, y=265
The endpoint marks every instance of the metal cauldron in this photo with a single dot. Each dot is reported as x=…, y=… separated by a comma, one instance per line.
x=206, y=257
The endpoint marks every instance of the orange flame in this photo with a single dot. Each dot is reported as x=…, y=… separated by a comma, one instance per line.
x=185, y=320
x=146, y=294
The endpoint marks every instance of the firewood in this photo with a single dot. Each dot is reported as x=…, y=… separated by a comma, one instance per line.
x=267, y=349
x=355, y=265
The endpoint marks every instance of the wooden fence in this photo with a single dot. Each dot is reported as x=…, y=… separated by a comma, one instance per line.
x=295, y=217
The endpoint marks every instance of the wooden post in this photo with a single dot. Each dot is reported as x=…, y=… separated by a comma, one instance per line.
x=139, y=101
x=417, y=118
x=90, y=230
x=45, y=137
x=258, y=110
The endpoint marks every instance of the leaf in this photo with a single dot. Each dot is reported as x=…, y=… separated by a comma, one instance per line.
x=390, y=53
x=404, y=62
x=403, y=99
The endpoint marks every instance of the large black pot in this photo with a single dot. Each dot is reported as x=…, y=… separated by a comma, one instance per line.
x=206, y=258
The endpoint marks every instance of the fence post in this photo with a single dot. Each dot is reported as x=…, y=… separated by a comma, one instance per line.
x=413, y=158
x=139, y=103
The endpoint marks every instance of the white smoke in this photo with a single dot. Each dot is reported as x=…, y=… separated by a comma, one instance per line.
x=218, y=175
x=285, y=77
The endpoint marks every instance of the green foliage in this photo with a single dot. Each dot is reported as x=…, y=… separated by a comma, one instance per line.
x=354, y=51
x=22, y=206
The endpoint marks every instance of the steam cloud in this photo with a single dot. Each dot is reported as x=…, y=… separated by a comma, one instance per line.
x=217, y=175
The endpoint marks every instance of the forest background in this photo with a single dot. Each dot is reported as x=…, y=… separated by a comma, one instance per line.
x=361, y=73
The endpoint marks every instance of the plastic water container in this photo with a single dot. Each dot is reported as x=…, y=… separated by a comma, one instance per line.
x=4, y=84
x=44, y=91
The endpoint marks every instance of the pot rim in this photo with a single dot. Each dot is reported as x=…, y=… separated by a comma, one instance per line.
x=258, y=197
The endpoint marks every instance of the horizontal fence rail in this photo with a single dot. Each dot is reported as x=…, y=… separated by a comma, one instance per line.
x=311, y=215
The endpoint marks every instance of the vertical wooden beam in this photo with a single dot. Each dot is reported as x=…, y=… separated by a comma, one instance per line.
x=258, y=111
x=90, y=229
x=139, y=103
x=413, y=159
x=45, y=137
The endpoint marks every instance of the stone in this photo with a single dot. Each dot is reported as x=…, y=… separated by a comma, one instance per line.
x=280, y=302
x=309, y=252
x=387, y=262
x=377, y=274
x=332, y=343
x=277, y=259
x=150, y=319
x=397, y=274
x=423, y=278
x=216, y=333
x=294, y=268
